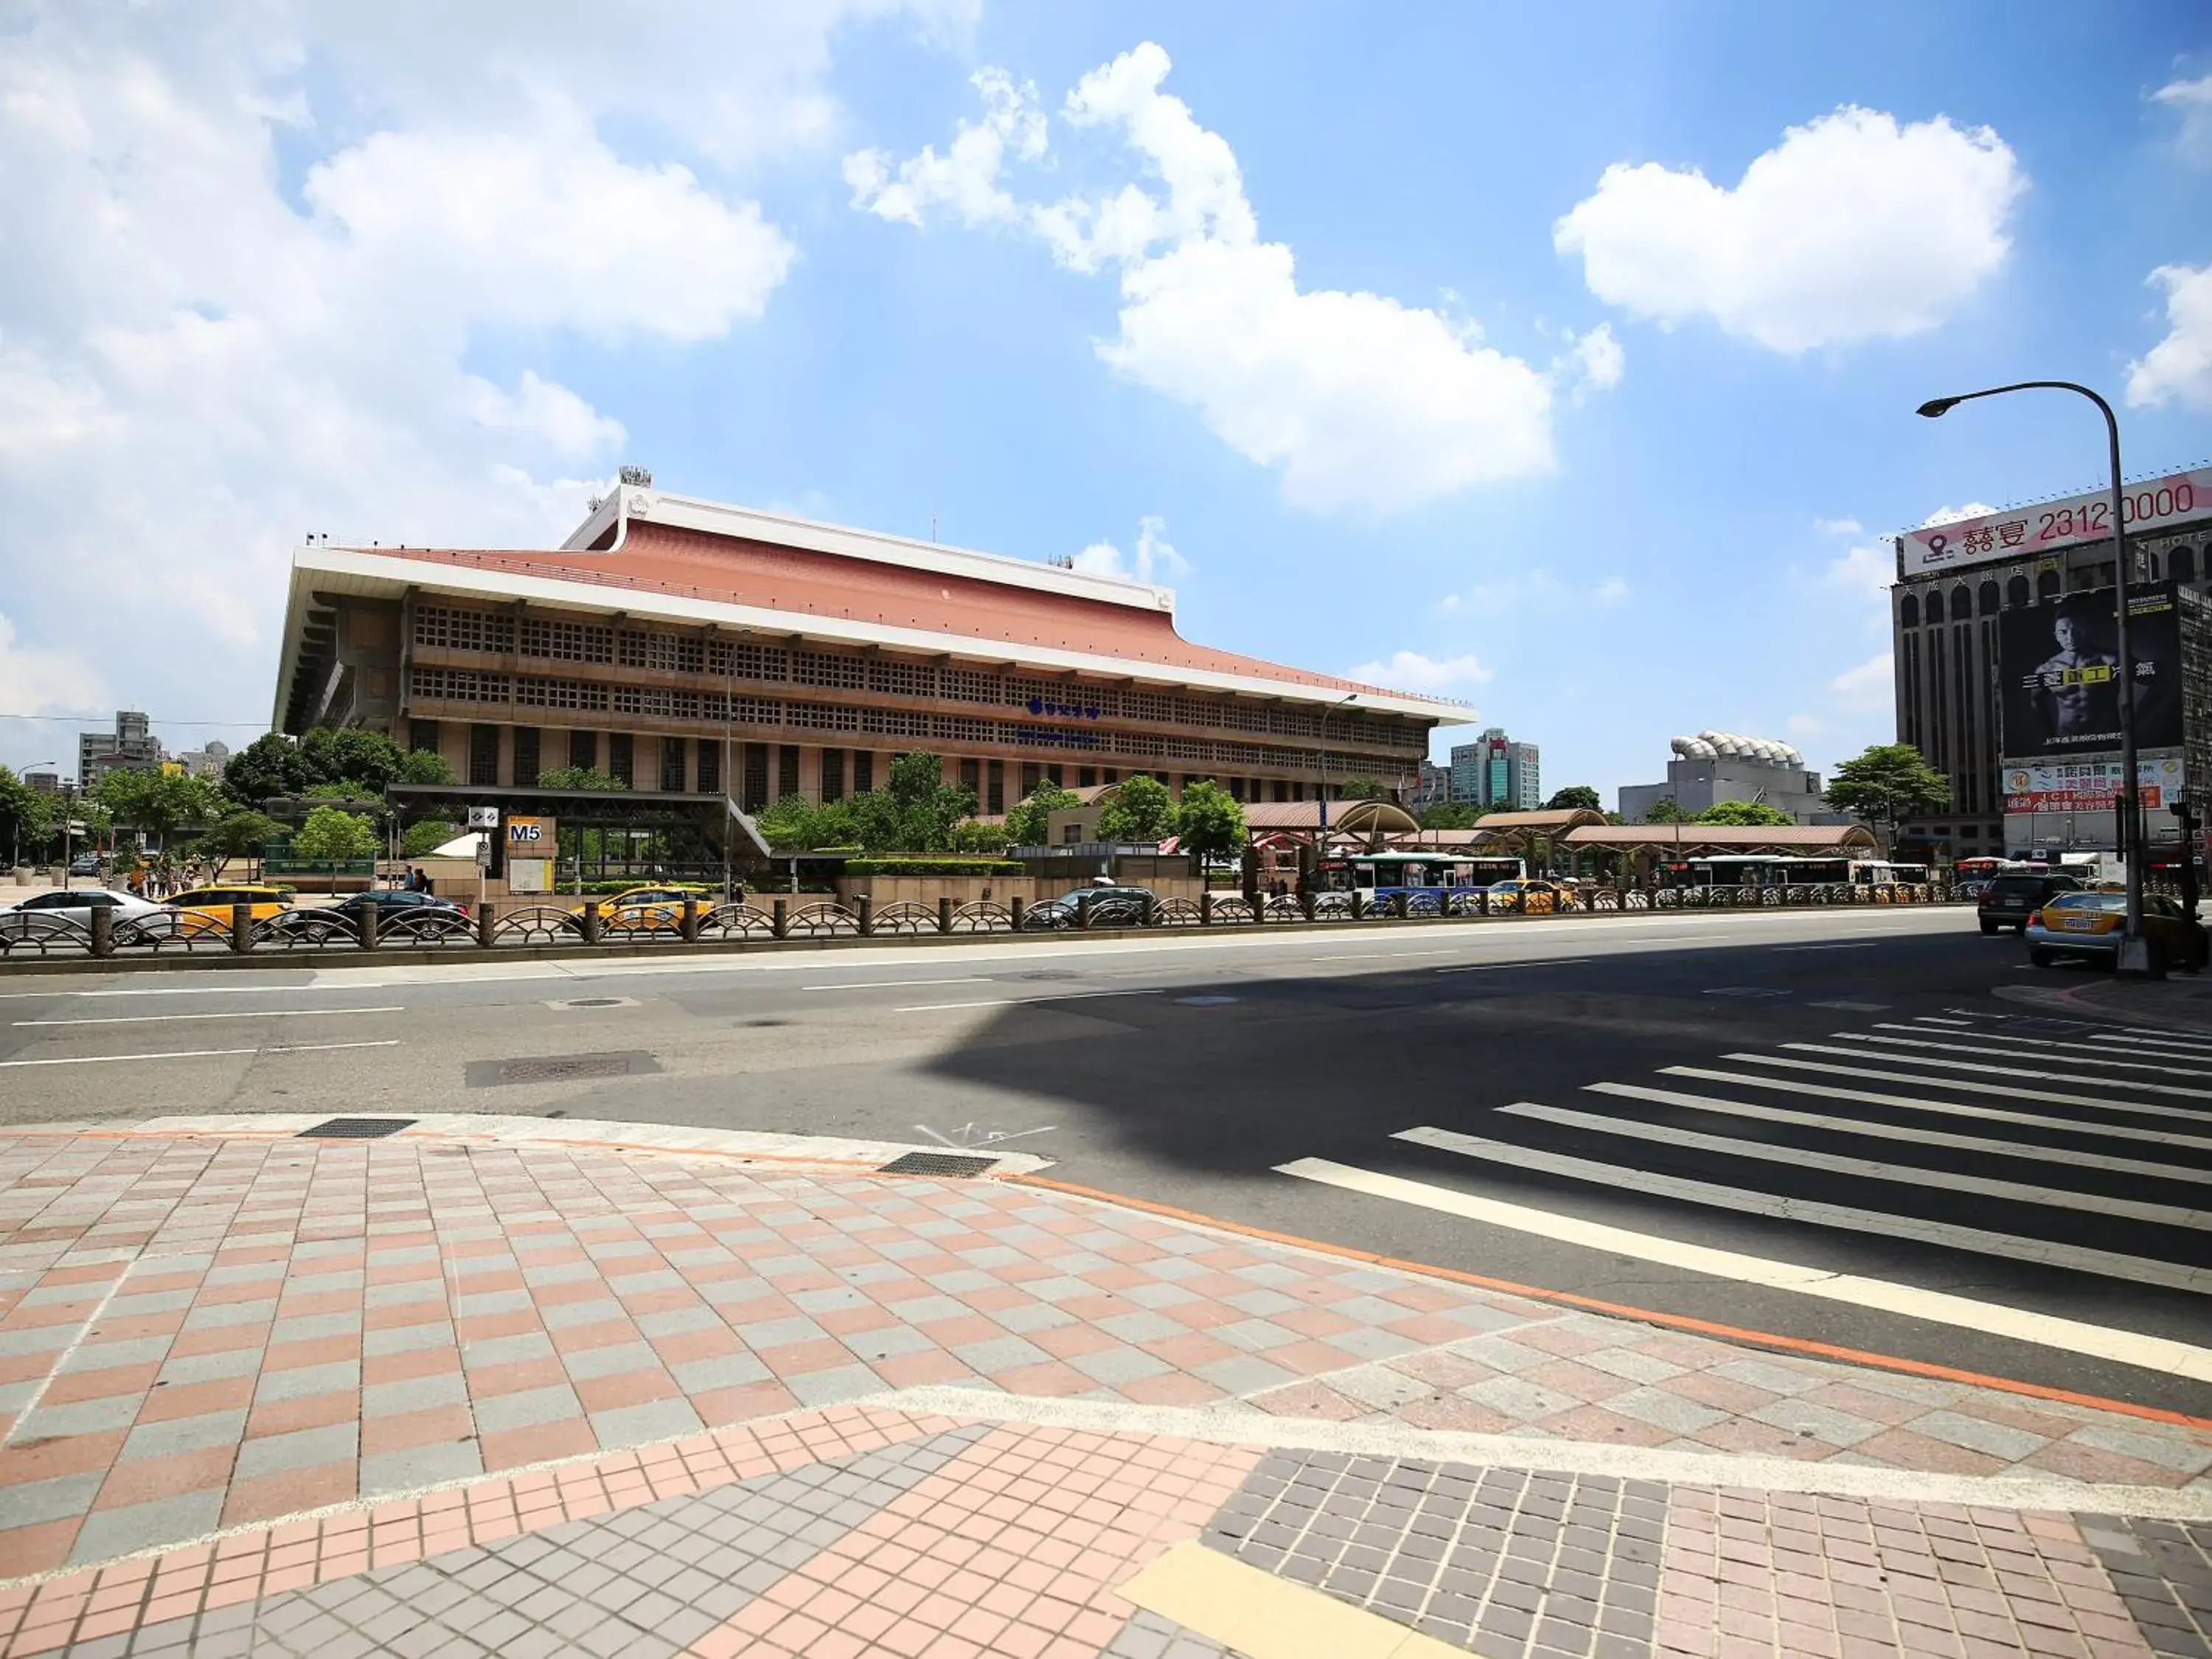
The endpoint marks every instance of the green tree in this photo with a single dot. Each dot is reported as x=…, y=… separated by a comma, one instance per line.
x=975, y=837
x=424, y=766
x=425, y=838
x=1029, y=820
x=1887, y=784
x=1361, y=789
x=927, y=806
x=1748, y=814
x=1140, y=810
x=1575, y=797
x=574, y=777
x=158, y=803
x=23, y=814
x=1665, y=810
x=240, y=833
x=1209, y=820
x=270, y=765
x=1447, y=815
x=794, y=824
x=331, y=837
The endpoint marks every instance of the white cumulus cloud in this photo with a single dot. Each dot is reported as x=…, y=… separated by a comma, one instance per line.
x=2180, y=367
x=1870, y=687
x=1410, y=671
x=1154, y=558
x=252, y=247
x=41, y=680
x=1359, y=400
x=1955, y=514
x=1837, y=526
x=2193, y=99
x=1852, y=227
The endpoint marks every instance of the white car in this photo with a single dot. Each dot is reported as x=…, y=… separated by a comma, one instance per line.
x=73, y=904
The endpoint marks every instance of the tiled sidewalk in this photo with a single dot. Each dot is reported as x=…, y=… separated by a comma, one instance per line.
x=256, y=1380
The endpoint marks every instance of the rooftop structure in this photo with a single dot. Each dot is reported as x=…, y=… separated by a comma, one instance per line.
x=686, y=646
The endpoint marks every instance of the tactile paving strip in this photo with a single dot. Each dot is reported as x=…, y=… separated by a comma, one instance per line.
x=1501, y=1561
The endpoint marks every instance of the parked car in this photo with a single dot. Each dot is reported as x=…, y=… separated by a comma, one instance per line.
x=389, y=900
x=1111, y=907
x=1531, y=896
x=85, y=864
x=648, y=906
x=1971, y=889
x=2015, y=895
x=2089, y=925
x=217, y=902
x=73, y=904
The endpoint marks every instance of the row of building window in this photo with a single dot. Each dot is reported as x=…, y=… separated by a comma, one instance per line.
x=469, y=685
x=689, y=766
x=2179, y=564
x=456, y=628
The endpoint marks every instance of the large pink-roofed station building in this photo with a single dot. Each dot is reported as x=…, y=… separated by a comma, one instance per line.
x=694, y=649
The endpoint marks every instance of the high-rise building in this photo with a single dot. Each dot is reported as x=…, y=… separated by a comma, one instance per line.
x=1431, y=788
x=1497, y=773
x=130, y=747
x=1959, y=584
x=207, y=762
x=1714, y=767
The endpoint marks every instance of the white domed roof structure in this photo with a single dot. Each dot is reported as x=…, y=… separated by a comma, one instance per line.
x=1712, y=745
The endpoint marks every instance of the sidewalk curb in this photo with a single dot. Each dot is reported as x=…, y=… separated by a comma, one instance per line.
x=2081, y=999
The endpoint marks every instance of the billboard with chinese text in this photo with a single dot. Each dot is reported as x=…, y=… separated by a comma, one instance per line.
x=2019, y=533
x=2058, y=675
x=2090, y=785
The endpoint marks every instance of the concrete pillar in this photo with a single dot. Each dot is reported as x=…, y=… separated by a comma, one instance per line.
x=241, y=928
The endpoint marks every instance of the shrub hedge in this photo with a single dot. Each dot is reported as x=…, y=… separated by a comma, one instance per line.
x=933, y=866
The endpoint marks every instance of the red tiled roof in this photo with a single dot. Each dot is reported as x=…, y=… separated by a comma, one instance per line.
x=738, y=570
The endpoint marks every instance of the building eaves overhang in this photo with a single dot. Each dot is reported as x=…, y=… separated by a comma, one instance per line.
x=374, y=573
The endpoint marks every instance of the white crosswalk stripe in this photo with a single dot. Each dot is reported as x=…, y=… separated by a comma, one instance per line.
x=2041, y=1143
x=1878, y=1130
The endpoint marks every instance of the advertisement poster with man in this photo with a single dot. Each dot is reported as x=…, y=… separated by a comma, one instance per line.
x=2059, y=669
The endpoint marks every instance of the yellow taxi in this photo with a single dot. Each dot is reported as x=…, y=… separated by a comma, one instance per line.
x=2089, y=924
x=266, y=901
x=647, y=906
x=1531, y=896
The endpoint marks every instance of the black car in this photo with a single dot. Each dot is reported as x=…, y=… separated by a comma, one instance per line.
x=1111, y=907
x=389, y=900
x=2014, y=895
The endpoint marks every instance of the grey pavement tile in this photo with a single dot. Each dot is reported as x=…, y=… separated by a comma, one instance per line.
x=656, y=1419
x=406, y=1339
x=719, y=1371
x=1000, y=1353
x=414, y=1394
x=507, y=1350
x=107, y=1534
x=210, y=1367
x=316, y=1328
x=783, y=1332
x=839, y=1383
x=1115, y=1366
x=675, y=1321
x=35, y=1502
x=302, y=1449
x=417, y=1466
x=526, y=1408
x=78, y=1417
x=341, y=1375
x=1673, y=1412
x=184, y=1434
x=1978, y=1434
x=565, y=1315
x=613, y=1359
x=92, y=1356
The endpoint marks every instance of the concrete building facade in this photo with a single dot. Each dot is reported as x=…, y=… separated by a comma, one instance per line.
x=130, y=747
x=1497, y=773
x=1944, y=629
x=687, y=646
x=1714, y=767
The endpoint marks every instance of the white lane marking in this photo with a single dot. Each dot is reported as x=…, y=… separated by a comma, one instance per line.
x=1938, y=1020
x=1863, y=944
x=197, y=990
x=1851, y=1008
x=1374, y=956
x=2129, y=1044
x=256, y=1013
x=1904, y=924
x=2079, y=1075
x=1981, y=1040
x=899, y=984
x=1876, y=1129
x=1019, y=1002
x=2156, y=1031
x=1864, y=1169
x=1492, y=967
x=2103, y=1056
x=1957, y=1109
x=1883, y=1224
x=199, y=1053
x=2155, y=1354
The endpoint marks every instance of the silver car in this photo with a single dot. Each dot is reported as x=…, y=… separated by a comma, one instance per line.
x=73, y=904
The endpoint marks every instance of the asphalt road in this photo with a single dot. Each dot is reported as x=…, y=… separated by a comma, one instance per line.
x=1830, y=1125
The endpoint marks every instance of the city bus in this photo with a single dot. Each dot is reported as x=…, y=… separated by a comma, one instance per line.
x=1782, y=870
x=1380, y=876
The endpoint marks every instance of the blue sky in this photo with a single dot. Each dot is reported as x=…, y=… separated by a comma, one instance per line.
x=1335, y=317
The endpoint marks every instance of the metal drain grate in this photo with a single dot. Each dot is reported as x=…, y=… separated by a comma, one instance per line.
x=355, y=1128
x=595, y=1002
x=560, y=1070
x=937, y=1164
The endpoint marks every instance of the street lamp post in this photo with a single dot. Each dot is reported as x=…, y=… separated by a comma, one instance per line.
x=1321, y=839
x=2134, y=950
